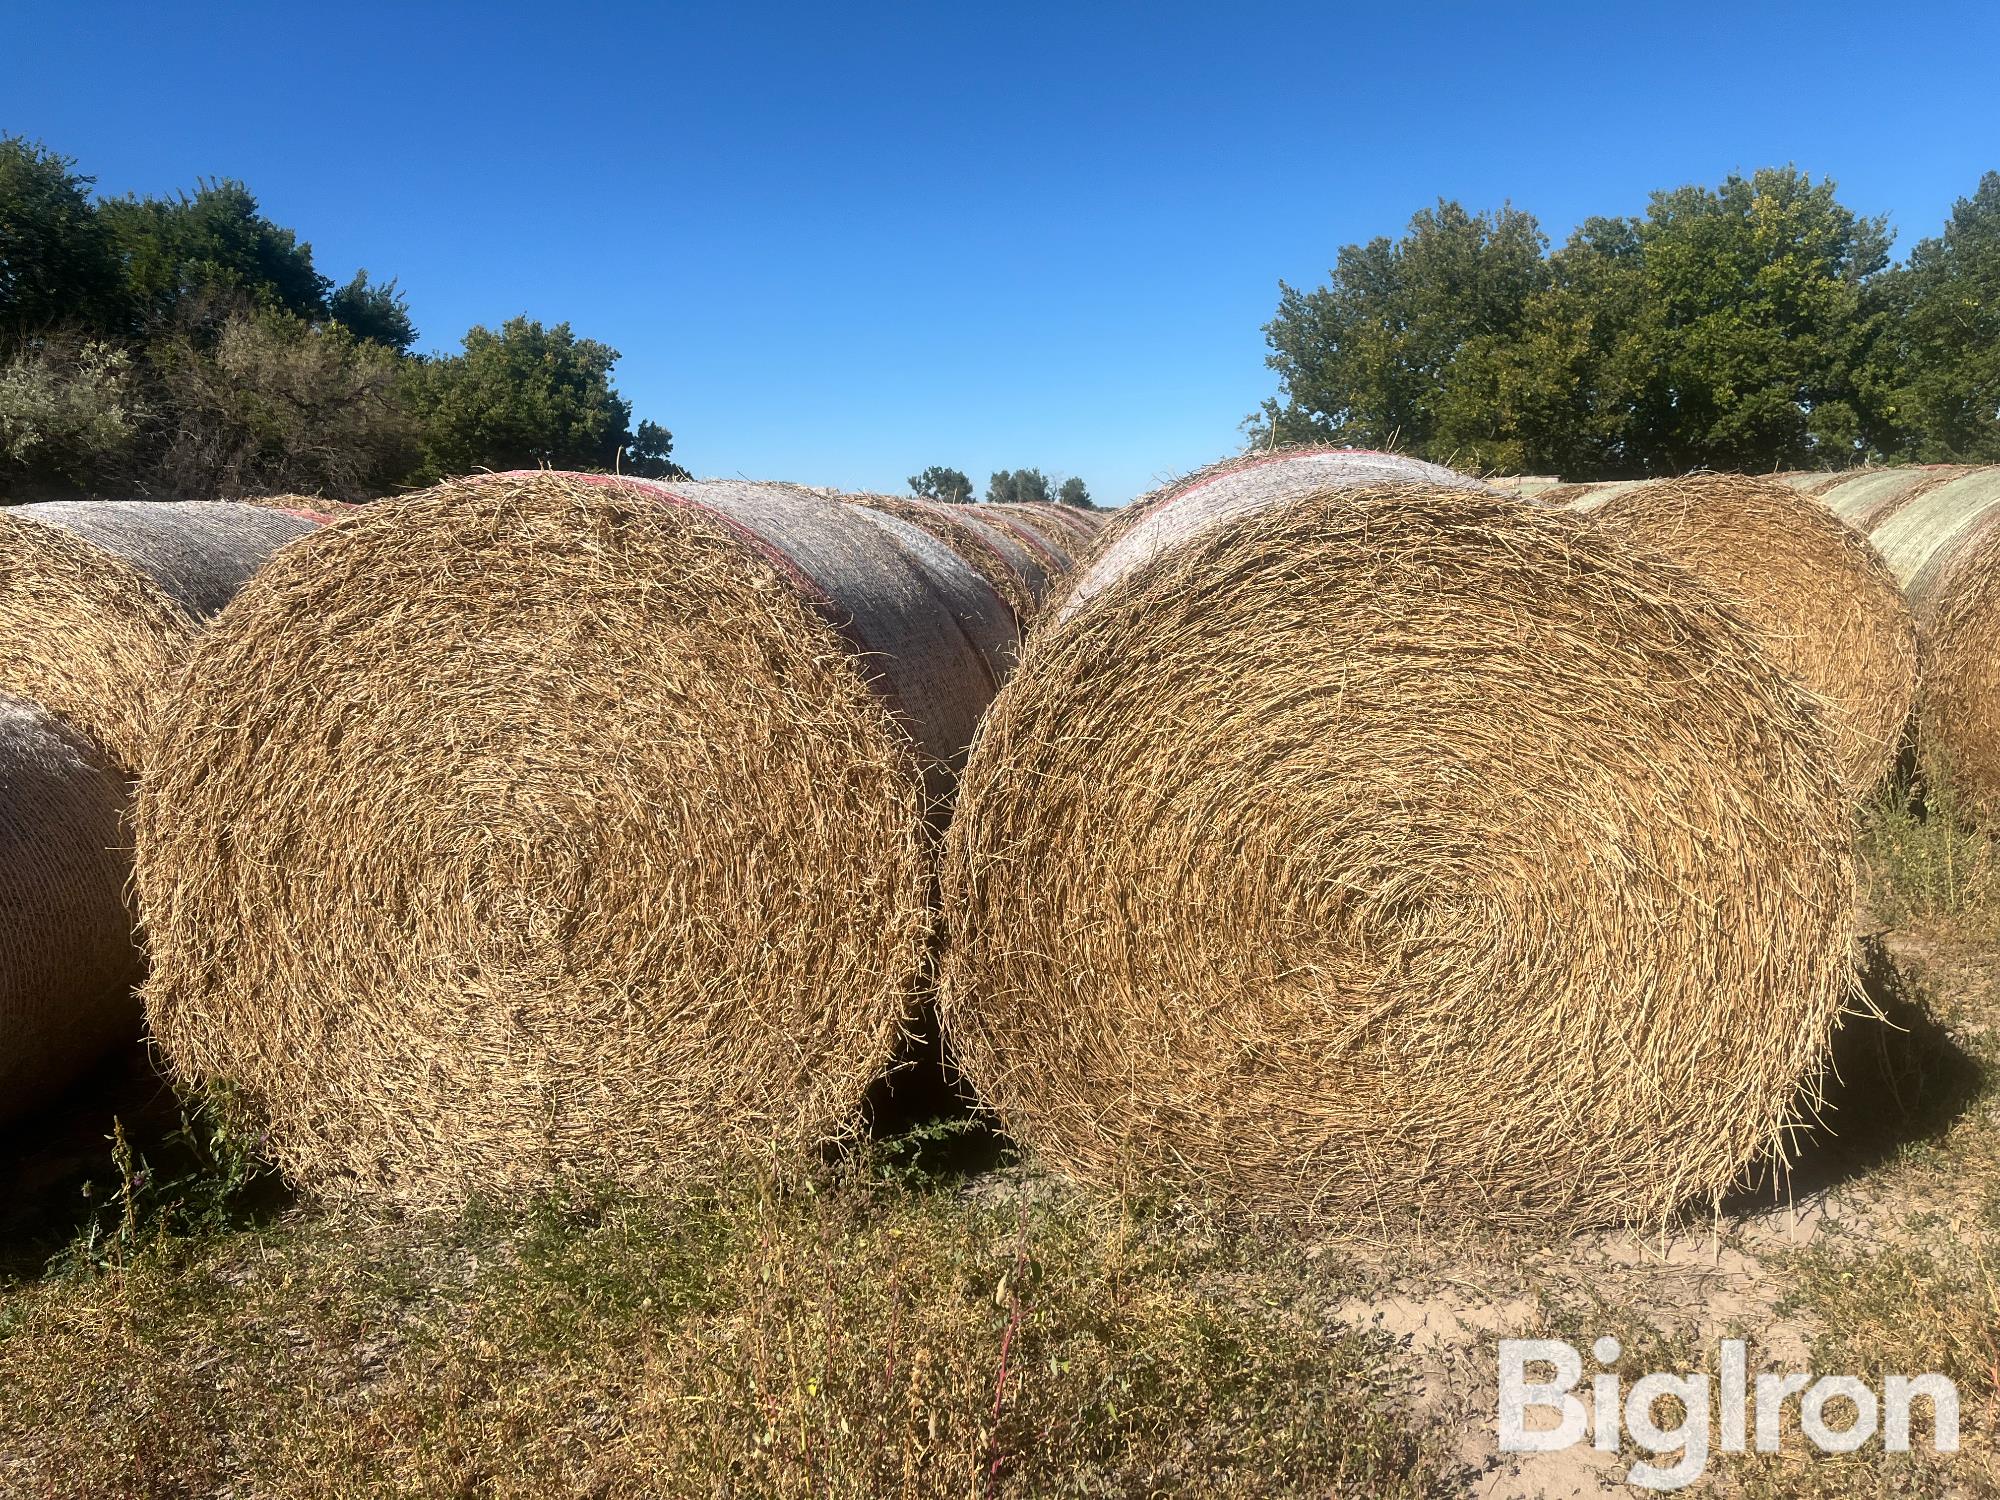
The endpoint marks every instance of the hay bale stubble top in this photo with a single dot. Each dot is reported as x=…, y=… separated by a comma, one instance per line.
x=1169, y=517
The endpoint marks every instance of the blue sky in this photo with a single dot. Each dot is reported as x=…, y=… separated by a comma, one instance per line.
x=838, y=243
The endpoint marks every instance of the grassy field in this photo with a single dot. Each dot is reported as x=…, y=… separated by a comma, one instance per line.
x=936, y=1319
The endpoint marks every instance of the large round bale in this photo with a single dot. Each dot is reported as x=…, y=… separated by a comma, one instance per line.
x=1409, y=855
x=1943, y=544
x=1171, y=516
x=67, y=960
x=1524, y=486
x=1828, y=608
x=1068, y=526
x=100, y=602
x=1862, y=497
x=1588, y=496
x=586, y=843
x=1019, y=573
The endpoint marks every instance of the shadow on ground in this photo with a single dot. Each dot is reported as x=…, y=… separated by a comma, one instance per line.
x=61, y=1178
x=1897, y=1080
x=922, y=1118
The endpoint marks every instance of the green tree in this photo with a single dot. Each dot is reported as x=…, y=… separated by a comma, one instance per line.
x=215, y=240
x=1018, y=487
x=523, y=397
x=1750, y=335
x=951, y=486
x=1073, y=491
x=58, y=264
x=1729, y=327
x=1937, y=362
x=1371, y=358
x=650, y=454
x=376, y=312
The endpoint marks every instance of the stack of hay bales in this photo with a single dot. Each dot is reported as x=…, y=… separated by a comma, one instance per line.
x=1068, y=528
x=587, y=843
x=1406, y=854
x=1829, y=609
x=100, y=603
x=1859, y=496
x=1524, y=486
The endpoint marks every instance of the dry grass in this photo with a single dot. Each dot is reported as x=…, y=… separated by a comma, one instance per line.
x=872, y=1340
x=582, y=844
x=1396, y=855
x=1827, y=607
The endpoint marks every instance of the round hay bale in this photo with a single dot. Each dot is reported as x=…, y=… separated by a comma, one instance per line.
x=1399, y=856
x=100, y=602
x=1828, y=608
x=1585, y=498
x=1863, y=498
x=311, y=507
x=67, y=959
x=1056, y=547
x=1942, y=542
x=1070, y=526
x=587, y=844
x=1171, y=516
x=1523, y=486
x=989, y=548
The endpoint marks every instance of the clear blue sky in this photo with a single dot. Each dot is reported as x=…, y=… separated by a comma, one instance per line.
x=836, y=243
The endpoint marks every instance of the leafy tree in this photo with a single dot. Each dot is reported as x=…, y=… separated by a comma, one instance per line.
x=1018, y=487
x=1728, y=327
x=1074, y=492
x=69, y=415
x=213, y=241
x=255, y=401
x=650, y=454
x=378, y=313
x=1370, y=358
x=520, y=398
x=1937, y=363
x=57, y=261
x=951, y=486
x=1750, y=329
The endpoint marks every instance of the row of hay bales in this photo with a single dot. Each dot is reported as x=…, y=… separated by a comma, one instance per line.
x=100, y=605
x=521, y=731
x=1932, y=532
x=1344, y=836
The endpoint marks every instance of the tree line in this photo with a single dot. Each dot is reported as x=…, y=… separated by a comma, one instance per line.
x=189, y=347
x=1755, y=326
x=1007, y=487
